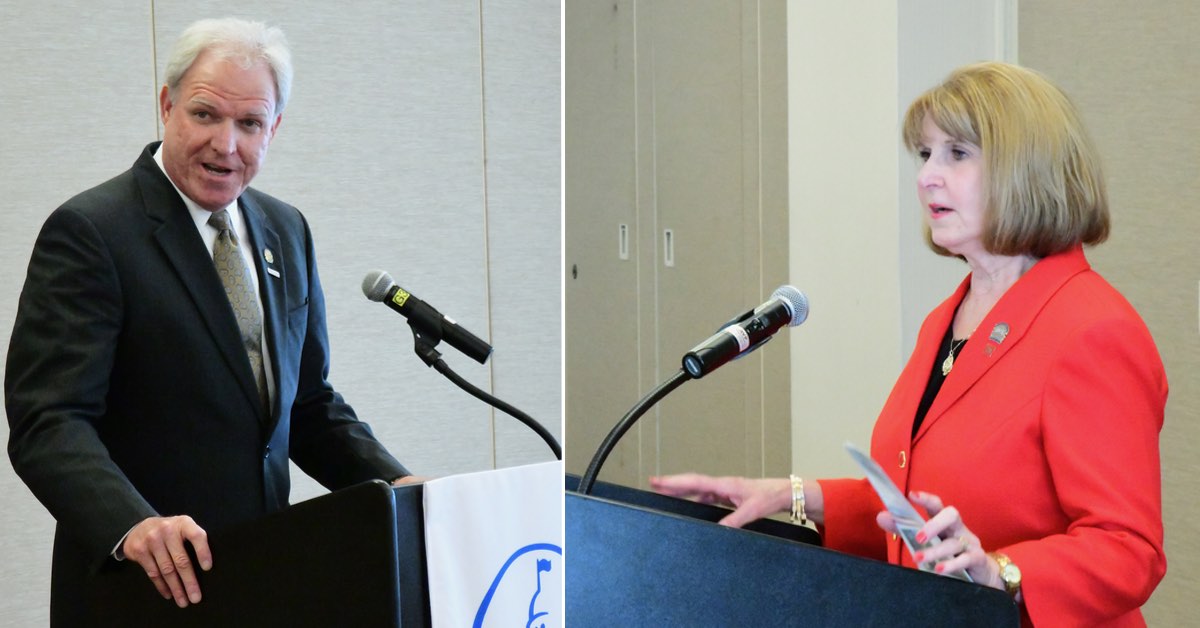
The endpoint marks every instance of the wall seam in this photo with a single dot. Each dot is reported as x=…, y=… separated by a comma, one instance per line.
x=154, y=68
x=487, y=258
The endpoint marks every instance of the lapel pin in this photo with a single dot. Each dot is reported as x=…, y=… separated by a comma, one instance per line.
x=999, y=333
x=269, y=256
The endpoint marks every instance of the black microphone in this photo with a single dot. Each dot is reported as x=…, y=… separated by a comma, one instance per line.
x=787, y=306
x=422, y=317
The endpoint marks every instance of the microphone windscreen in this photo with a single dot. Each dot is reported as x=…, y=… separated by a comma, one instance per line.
x=795, y=301
x=376, y=285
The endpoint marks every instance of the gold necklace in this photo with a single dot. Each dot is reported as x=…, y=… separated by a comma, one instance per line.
x=948, y=363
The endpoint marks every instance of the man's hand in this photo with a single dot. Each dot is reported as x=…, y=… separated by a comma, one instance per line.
x=409, y=479
x=157, y=544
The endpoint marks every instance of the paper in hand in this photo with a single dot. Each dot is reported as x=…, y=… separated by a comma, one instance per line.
x=908, y=520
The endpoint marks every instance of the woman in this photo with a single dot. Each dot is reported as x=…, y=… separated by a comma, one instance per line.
x=1026, y=421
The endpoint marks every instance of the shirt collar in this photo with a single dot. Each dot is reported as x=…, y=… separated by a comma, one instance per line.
x=199, y=215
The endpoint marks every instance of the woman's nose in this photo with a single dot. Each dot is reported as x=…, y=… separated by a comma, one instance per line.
x=929, y=175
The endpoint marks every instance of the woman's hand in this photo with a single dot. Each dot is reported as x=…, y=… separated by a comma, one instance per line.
x=751, y=498
x=959, y=549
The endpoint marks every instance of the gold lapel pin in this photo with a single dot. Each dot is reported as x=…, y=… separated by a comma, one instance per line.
x=269, y=256
x=999, y=333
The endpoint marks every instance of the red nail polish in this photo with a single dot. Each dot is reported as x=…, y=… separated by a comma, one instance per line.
x=938, y=568
x=920, y=537
x=919, y=557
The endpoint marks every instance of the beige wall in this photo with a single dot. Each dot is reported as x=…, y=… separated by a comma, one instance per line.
x=1134, y=71
x=675, y=119
x=842, y=82
x=854, y=232
x=856, y=245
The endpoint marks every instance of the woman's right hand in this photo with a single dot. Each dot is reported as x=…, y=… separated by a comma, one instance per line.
x=751, y=498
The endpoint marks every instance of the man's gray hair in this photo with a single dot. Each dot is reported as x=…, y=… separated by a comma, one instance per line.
x=241, y=41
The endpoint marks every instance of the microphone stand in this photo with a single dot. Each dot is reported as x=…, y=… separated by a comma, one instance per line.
x=424, y=348
x=622, y=426
x=695, y=365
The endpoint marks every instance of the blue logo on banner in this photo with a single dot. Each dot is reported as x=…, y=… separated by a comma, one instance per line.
x=532, y=573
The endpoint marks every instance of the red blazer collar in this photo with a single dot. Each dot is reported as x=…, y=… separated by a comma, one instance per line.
x=998, y=333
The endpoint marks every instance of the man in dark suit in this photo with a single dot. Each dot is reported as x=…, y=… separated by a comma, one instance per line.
x=151, y=397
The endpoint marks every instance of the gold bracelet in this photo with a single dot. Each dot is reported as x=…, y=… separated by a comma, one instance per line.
x=798, y=500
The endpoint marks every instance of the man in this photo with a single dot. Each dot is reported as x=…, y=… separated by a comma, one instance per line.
x=170, y=349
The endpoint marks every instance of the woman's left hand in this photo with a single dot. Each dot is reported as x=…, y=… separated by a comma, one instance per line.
x=959, y=549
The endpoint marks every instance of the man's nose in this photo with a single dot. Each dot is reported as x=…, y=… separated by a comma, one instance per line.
x=224, y=138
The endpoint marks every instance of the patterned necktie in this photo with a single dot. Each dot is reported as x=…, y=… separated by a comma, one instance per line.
x=239, y=287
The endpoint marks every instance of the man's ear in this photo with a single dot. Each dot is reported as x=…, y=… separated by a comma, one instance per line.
x=165, y=105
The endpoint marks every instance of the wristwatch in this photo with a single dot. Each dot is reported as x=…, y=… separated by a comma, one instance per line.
x=1009, y=573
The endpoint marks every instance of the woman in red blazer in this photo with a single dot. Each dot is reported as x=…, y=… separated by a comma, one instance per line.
x=1032, y=404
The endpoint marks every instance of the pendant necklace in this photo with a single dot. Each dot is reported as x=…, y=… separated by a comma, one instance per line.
x=948, y=363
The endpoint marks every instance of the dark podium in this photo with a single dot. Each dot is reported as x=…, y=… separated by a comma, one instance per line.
x=355, y=557
x=636, y=558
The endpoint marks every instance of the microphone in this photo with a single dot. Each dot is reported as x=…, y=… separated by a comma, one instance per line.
x=787, y=306
x=422, y=317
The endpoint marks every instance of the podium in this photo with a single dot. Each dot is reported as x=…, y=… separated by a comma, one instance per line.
x=355, y=557
x=640, y=559
x=360, y=557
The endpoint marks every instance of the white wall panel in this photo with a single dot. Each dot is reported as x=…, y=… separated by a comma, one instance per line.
x=383, y=148
x=75, y=109
x=521, y=46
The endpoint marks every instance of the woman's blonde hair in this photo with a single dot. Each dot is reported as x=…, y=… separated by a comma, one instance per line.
x=1044, y=189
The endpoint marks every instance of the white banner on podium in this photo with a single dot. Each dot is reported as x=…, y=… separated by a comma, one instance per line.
x=493, y=543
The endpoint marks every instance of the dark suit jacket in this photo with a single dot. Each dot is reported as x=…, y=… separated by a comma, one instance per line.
x=127, y=389
x=1044, y=437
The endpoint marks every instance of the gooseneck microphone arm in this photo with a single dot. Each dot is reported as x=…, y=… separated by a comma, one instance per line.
x=622, y=426
x=786, y=307
x=439, y=365
x=428, y=327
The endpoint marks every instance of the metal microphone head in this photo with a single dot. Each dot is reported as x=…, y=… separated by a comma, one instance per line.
x=794, y=300
x=376, y=285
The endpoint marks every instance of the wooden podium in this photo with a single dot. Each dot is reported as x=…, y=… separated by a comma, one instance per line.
x=640, y=559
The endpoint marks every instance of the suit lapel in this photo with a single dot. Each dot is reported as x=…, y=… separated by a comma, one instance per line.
x=272, y=284
x=1002, y=329
x=183, y=248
